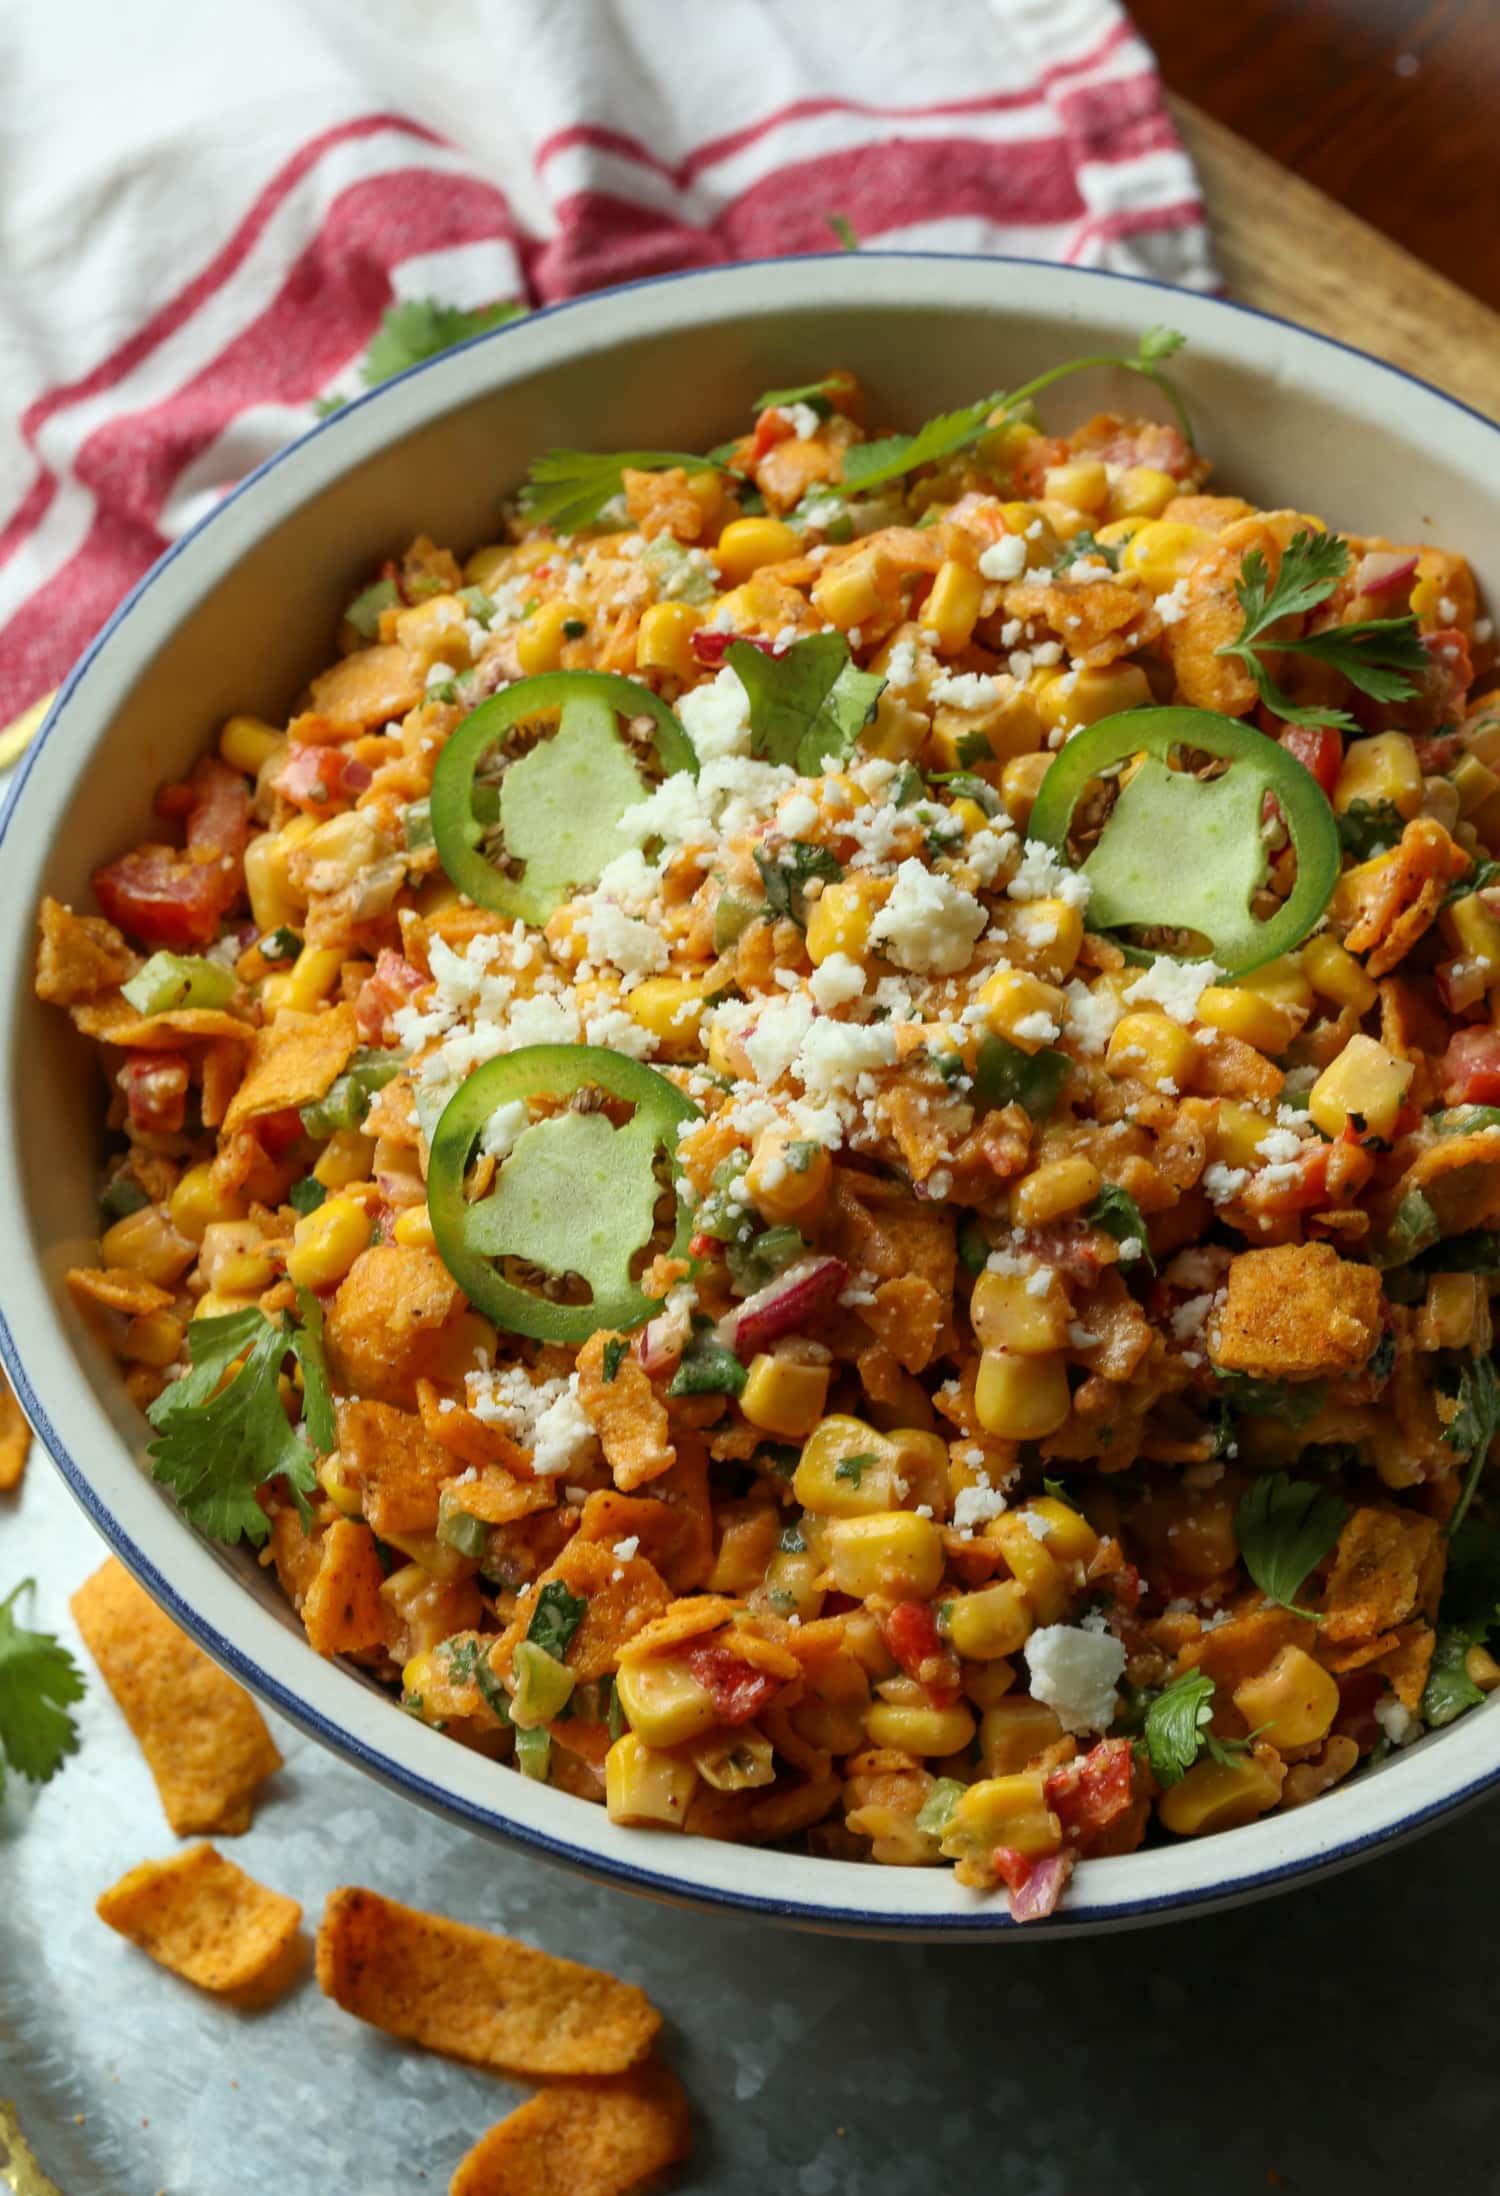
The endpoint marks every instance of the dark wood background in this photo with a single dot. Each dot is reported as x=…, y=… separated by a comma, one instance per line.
x=1390, y=106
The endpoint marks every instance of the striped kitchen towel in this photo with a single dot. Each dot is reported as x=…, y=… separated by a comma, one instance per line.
x=216, y=217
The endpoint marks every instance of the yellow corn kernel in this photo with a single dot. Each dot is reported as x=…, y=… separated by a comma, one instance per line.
x=921, y=1730
x=1243, y=1013
x=897, y=732
x=346, y=1157
x=1162, y=551
x=197, y=1200
x=1007, y=1315
x=997, y=1811
x=1060, y=1186
x=1154, y=1049
x=1382, y=768
x=737, y=1759
x=233, y=1258
x=413, y=1229
x=1021, y=1398
x=784, y=1396
x=1044, y=936
x=488, y=566
x=1474, y=934
x=748, y=543
x=1236, y=1136
x=1284, y=982
x=247, y=743
x=1032, y=1564
x=152, y=1338
x=952, y=607
x=327, y=1242
x=540, y=639
x=1452, y=1311
x=1070, y=1536
x=146, y=1242
x=1477, y=784
x=1364, y=1079
x=212, y=1305
x=663, y=641
x=1142, y=491
x=1481, y=1669
x=1080, y=483
x=787, y=1177
x=840, y=920
x=343, y=1491
x=991, y=1622
x=1219, y=1795
x=644, y=1786
x=435, y=631
x=790, y=1586
x=895, y=1552
x=971, y=816
x=663, y=1702
x=1119, y=531
x=1294, y=1699
x=310, y=978
x=726, y=1056
x=1064, y=519
x=847, y=1469
x=274, y=900
x=848, y=594
x=1020, y=783
x=1335, y=974
x=1022, y=1009
x=1003, y=445
x=1041, y=546
x=670, y=1009
x=1013, y=1732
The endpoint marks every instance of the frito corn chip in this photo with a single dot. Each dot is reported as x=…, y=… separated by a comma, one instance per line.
x=119, y=1289
x=474, y=1995
x=79, y=956
x=589, y=2138
x=202, y=1735
x=114, y=1021
x=687, y=1619
x=15, y=1439
x=294, y=1060
x=620, y=1593
x=209, y=1922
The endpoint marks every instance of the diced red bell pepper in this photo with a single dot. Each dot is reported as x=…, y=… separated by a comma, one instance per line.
x=1090, y=1793
x=313, y=777
x=1307, y=1191
x=1013, y=1868
x=1471, y=1068
x=771, y=427
x=1319, y=748
x=739, y=1691
x=277, y=1132
x=393, y=983
x=156, y=1087
x=709, y=645
x=911, y=1633
x=161, y=897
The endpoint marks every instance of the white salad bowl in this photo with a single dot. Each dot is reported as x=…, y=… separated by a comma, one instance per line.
x=240, y=612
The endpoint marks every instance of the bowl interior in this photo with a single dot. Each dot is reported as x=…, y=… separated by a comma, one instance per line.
x=238, y=617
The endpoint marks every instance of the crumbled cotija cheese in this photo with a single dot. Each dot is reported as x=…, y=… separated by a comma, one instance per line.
x=1076, y=1672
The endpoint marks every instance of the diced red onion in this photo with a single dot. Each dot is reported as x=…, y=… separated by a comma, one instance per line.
x=357, y=775
x=1382, y=571
x=785, y=1306
x=660, y=1345
x=1039, y=1894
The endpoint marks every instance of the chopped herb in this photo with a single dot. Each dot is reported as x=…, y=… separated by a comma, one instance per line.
x=1004, y=1075
x=1176, y=1726
x=1294, y=1403
x=801, y=1154
x=808, y=704
x=555, y=1618
x=222, y=1431
x=962, y=785
x=616, y=1349
x=1285, y=1527
x=1375, y=655
x=120, y=1196
x=1449, y=1691
x=853, y=1468
x=907, y=786
x=306, y=1196
x=936, y=1811
x=1086, y=544
x=707, y=1367
x=787, y=874
x=1370, y=827
x=491, y=1691
x=843, y=229
x=39, y=1681
x=815, y=393
x=1116, y=1212
x=1474, y=1426
x=281, y=944
x=568, y=489
x=974, y=747
x=574, y=628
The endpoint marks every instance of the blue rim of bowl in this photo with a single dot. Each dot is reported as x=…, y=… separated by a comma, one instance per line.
x=981, y=1922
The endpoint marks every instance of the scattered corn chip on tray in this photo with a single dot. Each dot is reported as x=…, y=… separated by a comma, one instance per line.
x=812, y=2067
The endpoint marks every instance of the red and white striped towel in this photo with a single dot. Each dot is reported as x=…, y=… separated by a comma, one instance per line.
x=208, y=211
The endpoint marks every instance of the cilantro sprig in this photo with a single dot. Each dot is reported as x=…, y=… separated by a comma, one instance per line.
x=1176, y=1729
x=39, y=1681
x=1375, y=654
x=223, y=1431
x=1116, y=1212
x=420, y=328
x=568, y=489
x=815, y=393
x=808, y=704
x=1285, y=1527
x=1474, y=1426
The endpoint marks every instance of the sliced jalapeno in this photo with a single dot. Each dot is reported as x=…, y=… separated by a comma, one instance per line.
x=1180, y=852
x=558, y=804
x=575, y=1194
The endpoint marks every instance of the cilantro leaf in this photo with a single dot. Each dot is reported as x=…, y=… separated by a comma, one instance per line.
x=809, y=703
x=38, y=1681
x=421, y=328
x=567, y=489
x=317, y=1396
x=1293, y=1404
x=218, y=1444
x=1004, y=1075
x=853, y=1468
x=809, y=393
x=615, y=1350
x=556, y=1617
x=1117, y=1213
x=1158, y=343
x=1374, y=655
x=1471, y=1583
x=1370, y=827
x=1285, y=1527
x=1083, y=545
x=306, y=1196
x=1474, y=1425
x=786, y=875
x=1449, y=1692
x=1176, y=1726
x=872, y=464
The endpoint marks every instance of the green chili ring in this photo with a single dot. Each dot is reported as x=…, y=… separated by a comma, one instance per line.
x=1181, y=853
x=462, y=811
x=584, y=1198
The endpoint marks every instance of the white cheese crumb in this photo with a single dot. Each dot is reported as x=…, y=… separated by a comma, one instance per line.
x=929, y=923
x=1075, y=1672
x=836, y=982
x=1175, y=985
x=1004, y=560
